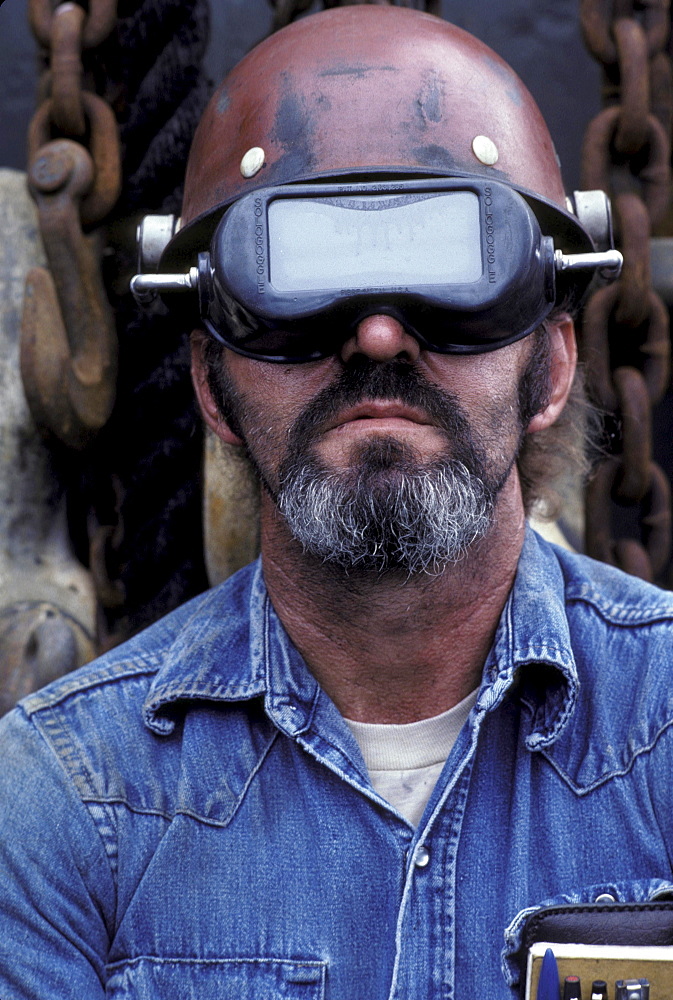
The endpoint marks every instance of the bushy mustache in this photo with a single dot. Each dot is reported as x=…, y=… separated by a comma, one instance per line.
x=389, y=511
x=366, y=380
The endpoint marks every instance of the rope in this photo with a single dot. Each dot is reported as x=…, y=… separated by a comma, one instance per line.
x=141, y=491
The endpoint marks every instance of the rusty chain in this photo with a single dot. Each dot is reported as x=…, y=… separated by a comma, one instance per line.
x=286, y=11
x=626, y=345
x=68, y=341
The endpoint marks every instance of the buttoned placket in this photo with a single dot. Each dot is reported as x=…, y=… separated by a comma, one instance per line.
x=427, y=967
x=425, y=947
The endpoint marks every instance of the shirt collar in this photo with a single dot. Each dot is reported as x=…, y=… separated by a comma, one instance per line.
x=233, y=647
x=532, y=645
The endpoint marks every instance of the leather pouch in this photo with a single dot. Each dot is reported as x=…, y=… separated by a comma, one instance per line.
x=609, y=941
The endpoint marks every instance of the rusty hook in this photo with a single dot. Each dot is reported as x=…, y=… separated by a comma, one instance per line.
x=76, y=394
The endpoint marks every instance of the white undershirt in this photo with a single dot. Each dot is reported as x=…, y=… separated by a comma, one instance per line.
x=405, y=761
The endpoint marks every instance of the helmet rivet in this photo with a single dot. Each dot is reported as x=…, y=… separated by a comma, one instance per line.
x=253, y=161
x=485, y=150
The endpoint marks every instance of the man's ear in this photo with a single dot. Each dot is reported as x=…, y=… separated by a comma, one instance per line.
x=209, y=409
x=563, y=346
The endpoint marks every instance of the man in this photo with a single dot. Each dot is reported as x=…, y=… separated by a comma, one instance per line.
x=354, y=769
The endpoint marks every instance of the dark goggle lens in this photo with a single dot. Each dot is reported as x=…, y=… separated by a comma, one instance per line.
x=324, y=335
x=462, y=265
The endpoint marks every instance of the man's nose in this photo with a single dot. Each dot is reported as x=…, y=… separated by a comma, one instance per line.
x=381, y=338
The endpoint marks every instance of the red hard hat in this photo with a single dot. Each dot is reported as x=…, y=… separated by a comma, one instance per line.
x=370, y=91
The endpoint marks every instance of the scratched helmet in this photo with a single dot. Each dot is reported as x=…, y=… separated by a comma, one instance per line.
x=371, y=92
x=374, y=107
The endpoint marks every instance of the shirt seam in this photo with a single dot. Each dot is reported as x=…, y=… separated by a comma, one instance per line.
x=108, y=851
x=582, y=790
x=616, y=617
x=314, y=963
x=95, y=799
x=93, y=682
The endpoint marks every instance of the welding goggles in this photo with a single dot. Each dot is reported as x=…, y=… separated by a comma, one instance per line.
x=462, y=263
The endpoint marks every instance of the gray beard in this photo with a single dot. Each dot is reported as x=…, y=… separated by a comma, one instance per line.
x=417, y=518
x=388, y=510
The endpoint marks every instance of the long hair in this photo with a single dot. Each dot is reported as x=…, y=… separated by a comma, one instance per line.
x=555, y=461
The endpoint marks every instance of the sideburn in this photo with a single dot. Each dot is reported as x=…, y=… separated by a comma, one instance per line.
x=535, y=385
x=218, y=382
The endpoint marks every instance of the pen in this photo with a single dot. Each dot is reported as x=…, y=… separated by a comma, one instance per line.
x=548, y=987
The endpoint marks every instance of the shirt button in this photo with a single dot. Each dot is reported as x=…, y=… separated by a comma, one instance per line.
x=605, y=897
x=422, y=857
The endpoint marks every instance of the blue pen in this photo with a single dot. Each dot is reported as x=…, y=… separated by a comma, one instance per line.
x=549, y=986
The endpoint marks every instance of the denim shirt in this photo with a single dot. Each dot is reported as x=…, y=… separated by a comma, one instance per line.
x=190, y=817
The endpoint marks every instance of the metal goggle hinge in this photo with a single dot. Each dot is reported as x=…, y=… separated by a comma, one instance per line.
x=146, y=286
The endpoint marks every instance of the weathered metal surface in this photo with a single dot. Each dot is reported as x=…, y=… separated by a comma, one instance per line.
x=627, y=152
x=38, y=643
x=661, y=265
x=355, y=89
x=103, y=148
x=231, y=510
x=597, y=27
x=645, y=557
x=47, y=604
x=101, y=19
x=66, y=69
x=69, y=342
x=599, y=170
x=631, y=133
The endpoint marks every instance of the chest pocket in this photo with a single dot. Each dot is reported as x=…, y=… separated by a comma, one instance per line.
x=217, y=979
x=644, y=890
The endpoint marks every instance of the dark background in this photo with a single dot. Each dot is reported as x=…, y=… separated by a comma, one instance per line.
x=540, y=38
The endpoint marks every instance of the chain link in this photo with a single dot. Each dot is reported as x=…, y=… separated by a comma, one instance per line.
x=645, y=558
x=626, y=345
x=100, y=20
x=647, y=174
x=661, y=91
x=597, y=19
x=631, y=41
x=67, y=110
x=103, y=151
x=74, y=171
x=633, y=404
